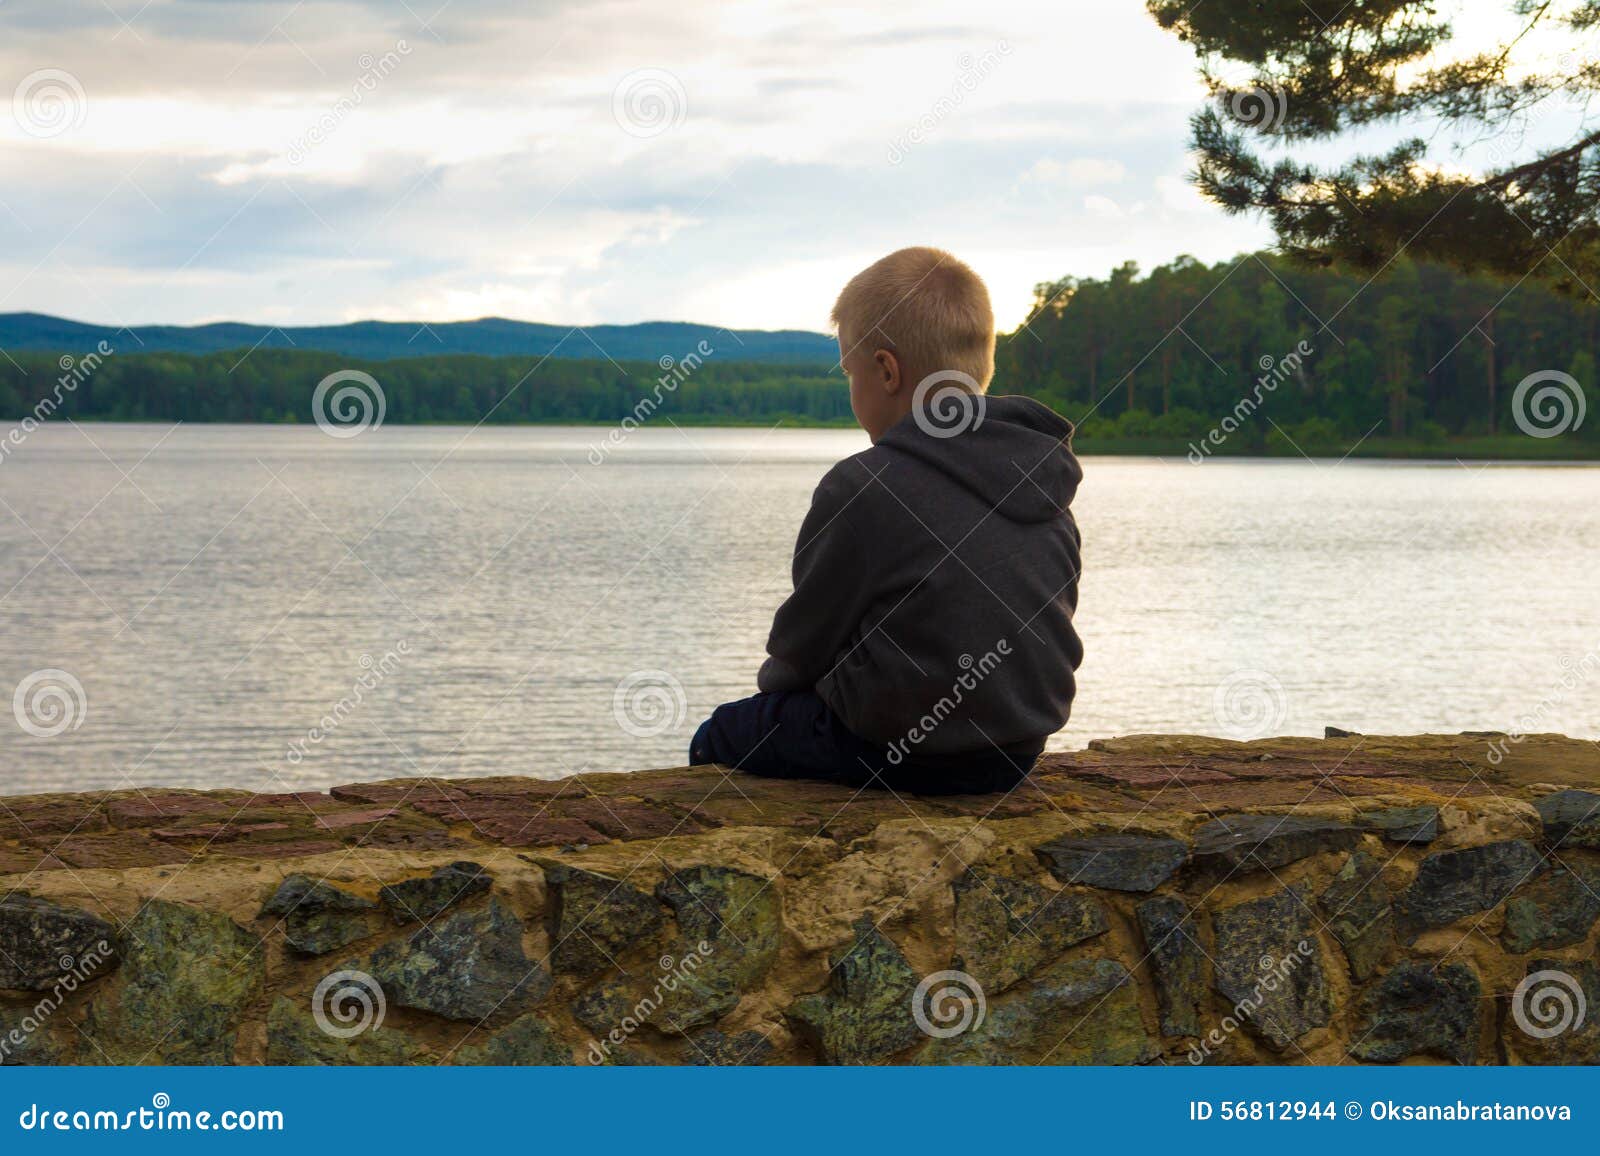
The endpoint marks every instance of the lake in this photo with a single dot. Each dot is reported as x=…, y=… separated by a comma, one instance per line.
x=535, y=601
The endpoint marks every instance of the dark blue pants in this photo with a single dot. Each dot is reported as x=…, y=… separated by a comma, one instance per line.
x=793, y=735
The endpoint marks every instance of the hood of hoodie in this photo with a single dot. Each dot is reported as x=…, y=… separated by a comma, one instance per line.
x=1007, y=441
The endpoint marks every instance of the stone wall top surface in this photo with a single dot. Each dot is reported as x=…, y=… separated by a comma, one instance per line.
x=1167, y=781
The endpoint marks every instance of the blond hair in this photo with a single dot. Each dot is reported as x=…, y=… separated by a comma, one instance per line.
x=927, y=308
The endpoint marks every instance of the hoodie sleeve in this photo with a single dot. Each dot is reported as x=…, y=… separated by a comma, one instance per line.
x=813, y=626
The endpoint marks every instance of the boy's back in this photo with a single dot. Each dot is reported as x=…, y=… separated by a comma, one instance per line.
x=935, y=581
x=928, y=645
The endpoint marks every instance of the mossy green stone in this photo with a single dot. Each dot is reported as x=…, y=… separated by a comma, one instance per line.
x=1177, y=962
x=1357, y=906
x=319, y=917
x=1269, y=967
x=1554, y=911
x=1008, y=928
x=738, y=920
x=468, y=965
x=597, y=919
x=1420, y=1008
x=187, y=977
x=524, y=1043
x=294, y=1038
x=1083, y=1011
x=864, y=1014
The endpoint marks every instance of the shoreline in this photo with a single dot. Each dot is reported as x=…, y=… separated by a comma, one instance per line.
x=1561, y=451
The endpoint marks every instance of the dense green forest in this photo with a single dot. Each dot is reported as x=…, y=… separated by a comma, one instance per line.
x=1417, y=356
x=275, y=385
x=1419, y=360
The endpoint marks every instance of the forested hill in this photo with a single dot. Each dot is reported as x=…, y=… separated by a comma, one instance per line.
x=1247, y=356
x=385, y=340
x=1420, y=352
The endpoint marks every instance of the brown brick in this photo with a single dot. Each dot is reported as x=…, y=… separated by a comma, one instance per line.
x=627, y=818
x=116, y=849
x=536, y=831
x=225, y=832
x=36, y=815
x=22, y=859
x=338, y=820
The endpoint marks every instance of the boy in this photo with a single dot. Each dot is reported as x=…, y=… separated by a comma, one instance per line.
x=928, y=645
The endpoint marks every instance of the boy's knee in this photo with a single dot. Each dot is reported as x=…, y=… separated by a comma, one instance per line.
x=701, y=748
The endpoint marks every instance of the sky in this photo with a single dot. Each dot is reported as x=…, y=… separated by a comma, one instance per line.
x=319, y=161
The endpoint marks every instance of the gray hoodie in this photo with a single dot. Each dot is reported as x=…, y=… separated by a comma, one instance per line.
x=935, y=580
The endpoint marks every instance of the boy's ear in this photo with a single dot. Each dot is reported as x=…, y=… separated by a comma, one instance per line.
x=888, y=370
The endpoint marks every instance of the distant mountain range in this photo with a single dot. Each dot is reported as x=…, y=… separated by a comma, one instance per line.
x=387, y=340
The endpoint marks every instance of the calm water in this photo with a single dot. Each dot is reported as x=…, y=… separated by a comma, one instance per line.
x=216, y=591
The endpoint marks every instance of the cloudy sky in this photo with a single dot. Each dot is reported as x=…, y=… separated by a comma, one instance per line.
x=312, y=161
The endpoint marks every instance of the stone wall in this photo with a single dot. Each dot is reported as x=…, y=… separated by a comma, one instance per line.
x=1149, y=900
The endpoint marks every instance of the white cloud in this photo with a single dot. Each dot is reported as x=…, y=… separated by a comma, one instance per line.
x=1076, y=172
x=237, y=165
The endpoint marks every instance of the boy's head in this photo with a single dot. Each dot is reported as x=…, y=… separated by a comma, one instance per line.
x=914, y=313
